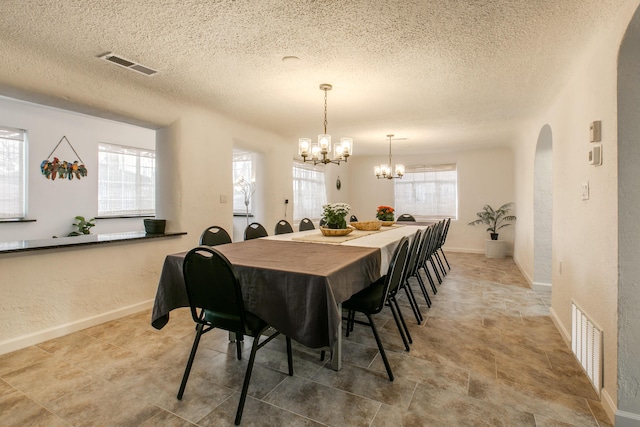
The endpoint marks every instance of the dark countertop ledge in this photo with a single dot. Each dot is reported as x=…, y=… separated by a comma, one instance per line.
x=88, y=239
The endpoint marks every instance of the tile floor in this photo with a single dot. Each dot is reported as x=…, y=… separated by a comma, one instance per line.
x=487, y=354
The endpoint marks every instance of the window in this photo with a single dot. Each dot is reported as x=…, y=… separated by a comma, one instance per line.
x=126, y=181
x=428, y=192
x=309, y=193
x=12, y=173
x=244, y=181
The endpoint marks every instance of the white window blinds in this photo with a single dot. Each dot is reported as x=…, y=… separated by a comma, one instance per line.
x=428, y=192
x=243, y=169
x=126, y=180
x=309, y=193
x=12, y=173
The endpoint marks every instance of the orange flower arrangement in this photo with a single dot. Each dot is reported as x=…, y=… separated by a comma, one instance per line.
x=385, y=213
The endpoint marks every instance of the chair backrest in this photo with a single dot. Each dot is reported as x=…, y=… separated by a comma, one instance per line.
x=395, y=272
x=306, y=224
x=406, y=217
x=283, y=227
x=424, y=253
x=254, y=230
x=323, y=222
x=414, y=254
x=212, y=285
x=445, y=232
x=214, y=235
x=353, y=218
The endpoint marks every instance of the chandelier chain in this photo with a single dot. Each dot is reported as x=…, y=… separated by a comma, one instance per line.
x=325, y=111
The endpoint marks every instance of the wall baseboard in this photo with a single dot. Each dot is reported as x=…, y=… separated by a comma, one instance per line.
x=627, y=419
x=524, y=273
x=566, y=336
x=538, y=286
x=608, y=404
x=24, y=341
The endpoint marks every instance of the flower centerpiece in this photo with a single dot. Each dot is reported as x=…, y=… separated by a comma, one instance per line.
x=334, y=215
x=385, y=213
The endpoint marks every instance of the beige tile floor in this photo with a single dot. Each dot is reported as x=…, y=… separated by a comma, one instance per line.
x=487, y=354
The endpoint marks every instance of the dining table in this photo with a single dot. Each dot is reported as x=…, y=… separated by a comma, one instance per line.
x=296, y=282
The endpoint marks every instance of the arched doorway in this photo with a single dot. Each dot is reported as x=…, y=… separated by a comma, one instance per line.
x=542, y=208
x=628, y=411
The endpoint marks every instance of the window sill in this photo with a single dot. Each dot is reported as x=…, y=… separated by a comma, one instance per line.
x=89, y=239
x=16, y=220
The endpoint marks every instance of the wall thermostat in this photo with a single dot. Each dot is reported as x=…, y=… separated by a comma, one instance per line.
x=595, y=155
x=595, y=131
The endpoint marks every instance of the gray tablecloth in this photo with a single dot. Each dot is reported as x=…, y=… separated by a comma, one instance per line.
x=293, y=286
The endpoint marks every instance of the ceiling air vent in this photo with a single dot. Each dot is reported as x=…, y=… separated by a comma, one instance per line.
x=130, y=65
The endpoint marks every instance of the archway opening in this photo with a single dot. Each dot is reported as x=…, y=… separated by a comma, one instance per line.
x=543, y=208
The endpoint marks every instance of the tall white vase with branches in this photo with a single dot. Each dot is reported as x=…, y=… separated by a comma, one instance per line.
x=247, y=188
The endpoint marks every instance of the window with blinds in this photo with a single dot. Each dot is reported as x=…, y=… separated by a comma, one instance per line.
x=126, y=181
x=244, y=167
x=309, y=192
x=12, y=173
x=428, y=192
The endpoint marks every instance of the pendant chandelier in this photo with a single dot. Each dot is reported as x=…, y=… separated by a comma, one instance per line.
x=319, y=152
x=384, y=170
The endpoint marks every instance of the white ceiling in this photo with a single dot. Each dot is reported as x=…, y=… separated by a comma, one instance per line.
x=445, y=73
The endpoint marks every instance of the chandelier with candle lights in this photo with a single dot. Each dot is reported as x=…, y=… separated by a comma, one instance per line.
x=384, y=170
x=319, y=152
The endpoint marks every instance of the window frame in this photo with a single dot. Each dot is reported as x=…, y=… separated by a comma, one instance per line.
x=297, y=203
x=436, y=209
x=17, y=211
x=138, y=153
x=239, y=208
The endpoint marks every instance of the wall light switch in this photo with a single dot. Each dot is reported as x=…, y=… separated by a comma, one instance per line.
x=585, y=190
x=595, y=131
x=223, y=198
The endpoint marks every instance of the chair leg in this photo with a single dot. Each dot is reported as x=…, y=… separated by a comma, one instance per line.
x=445, y=259
x=239, y=339
x=290, y=356
x=192, y=356
x=423, y=288
x=393, y=302
x=412, y=302
x=247, y=377
x=399, y=326
x=435, y=269
x=382, y=353
x=440, y=264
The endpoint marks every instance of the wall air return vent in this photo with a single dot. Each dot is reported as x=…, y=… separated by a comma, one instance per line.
x=128, y=64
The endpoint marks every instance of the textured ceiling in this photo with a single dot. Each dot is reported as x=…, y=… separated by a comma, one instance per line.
x=447, y=73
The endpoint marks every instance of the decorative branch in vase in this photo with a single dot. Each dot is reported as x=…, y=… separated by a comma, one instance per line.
x=247, y=188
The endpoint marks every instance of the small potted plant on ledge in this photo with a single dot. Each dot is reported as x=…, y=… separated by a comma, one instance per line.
x=83, y=226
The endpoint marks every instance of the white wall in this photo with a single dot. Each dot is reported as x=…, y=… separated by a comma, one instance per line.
x=54, y=204
x=585, y=233
x=51, y=292
x=484, y=177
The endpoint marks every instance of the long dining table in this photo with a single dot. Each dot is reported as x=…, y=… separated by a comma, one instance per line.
x=296, y=282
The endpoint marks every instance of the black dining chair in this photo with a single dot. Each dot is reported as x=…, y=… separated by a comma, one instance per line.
x=353, y=218
x=214, y=235
x=373, y=298
x=215, y=300
x=323, y=222
x=409, y=271
x=406, y=217
x=413, y=268
x=283, y=227
x=306, y=224
x=254, y=231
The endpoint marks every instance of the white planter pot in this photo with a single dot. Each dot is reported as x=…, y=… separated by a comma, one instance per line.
x=495, y=248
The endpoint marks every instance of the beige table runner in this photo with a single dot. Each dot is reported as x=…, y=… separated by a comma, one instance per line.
x=336, y=240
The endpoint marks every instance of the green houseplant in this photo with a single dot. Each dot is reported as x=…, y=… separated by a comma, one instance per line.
x=334, y=215
x=83, y=226
x=495, y=218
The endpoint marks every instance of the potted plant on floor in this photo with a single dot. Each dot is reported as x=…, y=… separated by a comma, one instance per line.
x=496, y=219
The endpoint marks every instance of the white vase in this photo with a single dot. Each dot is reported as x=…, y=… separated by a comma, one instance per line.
x=495, y=248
